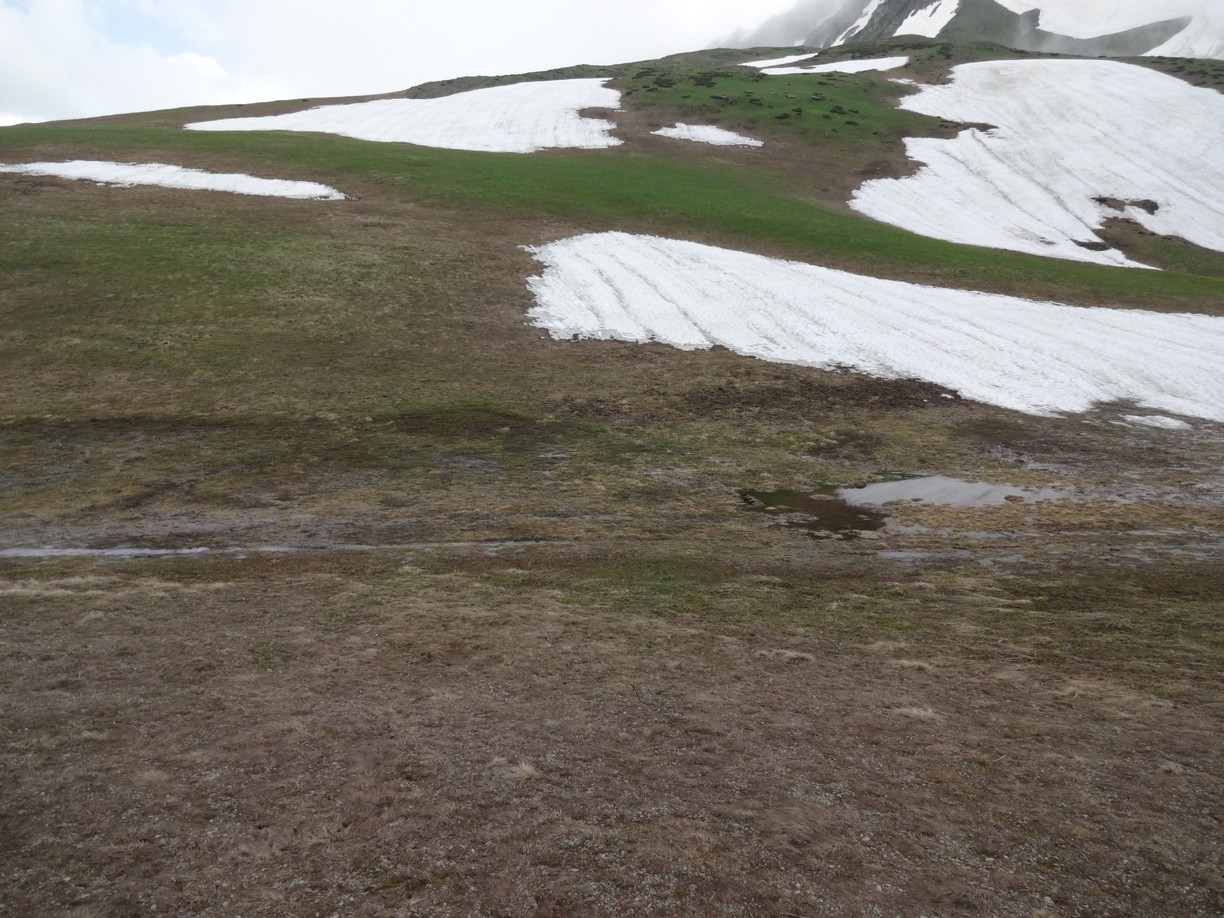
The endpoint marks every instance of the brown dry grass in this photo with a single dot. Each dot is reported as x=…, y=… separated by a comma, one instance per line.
x=307, y=736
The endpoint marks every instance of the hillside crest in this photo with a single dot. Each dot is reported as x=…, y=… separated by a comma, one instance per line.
x=1140, y=27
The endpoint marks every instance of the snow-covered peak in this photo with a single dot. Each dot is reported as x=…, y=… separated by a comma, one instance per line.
x=1203, y=37
x=1090, y=18
x=1183, y=28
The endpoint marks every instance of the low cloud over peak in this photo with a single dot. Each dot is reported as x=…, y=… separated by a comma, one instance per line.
x=76, y=58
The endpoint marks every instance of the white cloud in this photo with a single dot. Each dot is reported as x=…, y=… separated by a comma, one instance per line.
x=199, y=64
x=57, y=62
x=77, y=58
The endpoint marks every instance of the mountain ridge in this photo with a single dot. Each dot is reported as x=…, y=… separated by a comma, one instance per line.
x=816, y=23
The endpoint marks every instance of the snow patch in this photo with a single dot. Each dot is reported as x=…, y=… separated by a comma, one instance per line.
x=879, y=63
x=1035, y=357
x=128, y=174
x=1069, y=132
x=1156, y=420
x=516, y=118
x=860, y=23
x=930, y=21
x=708, y=134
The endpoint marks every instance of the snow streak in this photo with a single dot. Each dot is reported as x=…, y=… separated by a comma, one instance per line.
x=717, y=136
x=859, y=24
x=128, y=174
x=879, y=63
x=931, y=20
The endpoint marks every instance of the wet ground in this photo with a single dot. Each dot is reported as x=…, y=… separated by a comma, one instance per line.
x=850, y=511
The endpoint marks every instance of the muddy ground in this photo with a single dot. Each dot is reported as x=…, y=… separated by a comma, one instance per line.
x=661, y=709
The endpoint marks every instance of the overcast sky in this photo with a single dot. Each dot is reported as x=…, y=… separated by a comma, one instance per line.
x=77, y=58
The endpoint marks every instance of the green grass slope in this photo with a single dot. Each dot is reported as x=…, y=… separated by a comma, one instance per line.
x=188, y=307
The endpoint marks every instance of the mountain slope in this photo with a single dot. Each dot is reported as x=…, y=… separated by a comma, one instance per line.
x=345, y=568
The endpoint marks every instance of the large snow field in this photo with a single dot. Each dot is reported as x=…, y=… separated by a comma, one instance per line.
x=879, y=63
x=1035, y=357
x=705, y=133
x=516, y=118
x=127, y=174
x=1067, y=132
x=1204, y=37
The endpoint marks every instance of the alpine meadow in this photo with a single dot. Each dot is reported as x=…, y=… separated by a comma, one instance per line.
x=776, y=480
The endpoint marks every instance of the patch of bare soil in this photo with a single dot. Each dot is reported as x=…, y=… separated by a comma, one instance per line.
x=757, y=393
x=318, y=737
x=1130, y=236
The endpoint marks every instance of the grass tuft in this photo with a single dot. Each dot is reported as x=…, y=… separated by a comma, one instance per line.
x=922, y=714
x=522, y=772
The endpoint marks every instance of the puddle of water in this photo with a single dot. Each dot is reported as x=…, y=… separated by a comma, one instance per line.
x=847, y=511
x=50, y=554
x=948, y=492
x=819, y=512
